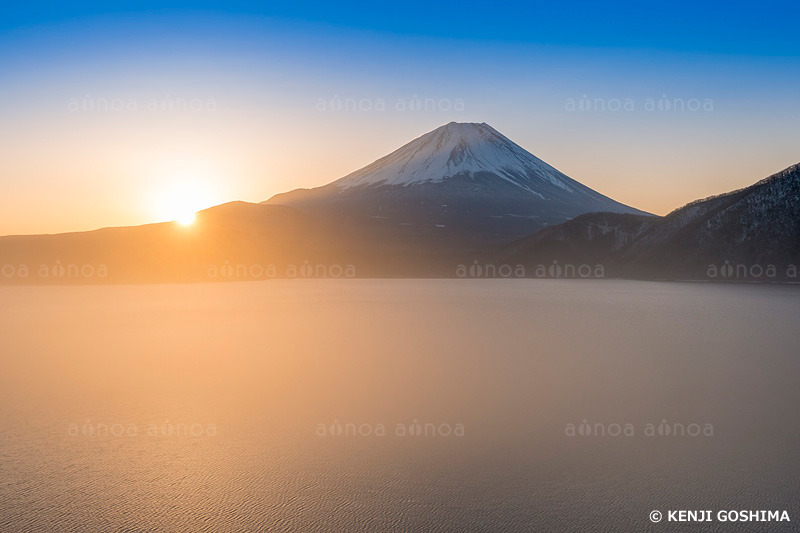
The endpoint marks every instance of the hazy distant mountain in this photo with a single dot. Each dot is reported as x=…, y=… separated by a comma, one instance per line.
x=459, y=184
x=748, y=234
x=234, y=241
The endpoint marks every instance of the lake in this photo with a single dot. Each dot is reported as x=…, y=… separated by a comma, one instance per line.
x=397, y=405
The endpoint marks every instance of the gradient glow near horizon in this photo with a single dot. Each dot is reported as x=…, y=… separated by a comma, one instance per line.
x=140, y=113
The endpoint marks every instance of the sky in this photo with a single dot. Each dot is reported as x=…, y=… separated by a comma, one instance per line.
x=133, y=112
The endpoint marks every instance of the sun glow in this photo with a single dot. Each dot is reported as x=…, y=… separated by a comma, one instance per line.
x=186, y=219
x=181, y=194
x=182, y=199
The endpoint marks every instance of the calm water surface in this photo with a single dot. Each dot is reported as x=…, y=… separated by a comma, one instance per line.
x=374, y=405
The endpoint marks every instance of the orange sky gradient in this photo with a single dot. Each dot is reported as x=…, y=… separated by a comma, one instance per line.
x=255, y=114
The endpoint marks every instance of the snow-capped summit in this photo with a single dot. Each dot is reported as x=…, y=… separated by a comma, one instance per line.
x=455, y=149
x=459, y=182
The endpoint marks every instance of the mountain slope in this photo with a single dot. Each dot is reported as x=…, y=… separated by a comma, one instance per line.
x=592, y=239
x=752, y=227
x=460, y=185
x=748, y=234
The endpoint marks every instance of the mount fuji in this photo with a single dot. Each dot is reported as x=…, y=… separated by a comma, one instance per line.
x=460, y=183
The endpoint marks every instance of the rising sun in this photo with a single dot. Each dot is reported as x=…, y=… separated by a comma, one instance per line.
x=186, y=219
x=180, y=198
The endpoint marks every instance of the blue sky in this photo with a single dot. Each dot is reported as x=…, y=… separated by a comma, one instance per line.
x=763, y=28
x=598, y=90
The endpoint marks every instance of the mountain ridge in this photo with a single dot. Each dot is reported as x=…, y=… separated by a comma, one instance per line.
x=750, y=228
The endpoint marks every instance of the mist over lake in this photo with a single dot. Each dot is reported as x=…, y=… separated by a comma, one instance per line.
x=396, y=405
